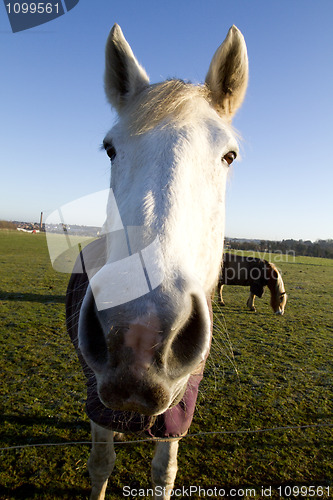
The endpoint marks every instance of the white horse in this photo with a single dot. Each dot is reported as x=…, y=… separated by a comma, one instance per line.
x=143, y=350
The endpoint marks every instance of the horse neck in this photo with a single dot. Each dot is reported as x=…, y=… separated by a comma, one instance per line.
x=275, y=282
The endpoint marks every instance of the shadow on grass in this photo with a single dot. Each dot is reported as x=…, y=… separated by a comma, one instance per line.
x=32, y=297
x=22, y=423
x=27, y=491
x=35, y=420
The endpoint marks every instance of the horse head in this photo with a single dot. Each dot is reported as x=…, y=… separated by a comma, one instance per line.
x=277, y=289
x=145, y=322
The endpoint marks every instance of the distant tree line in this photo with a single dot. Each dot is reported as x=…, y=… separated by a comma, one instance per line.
x=319, y=248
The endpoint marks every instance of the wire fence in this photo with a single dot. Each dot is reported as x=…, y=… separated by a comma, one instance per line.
x=188, y=436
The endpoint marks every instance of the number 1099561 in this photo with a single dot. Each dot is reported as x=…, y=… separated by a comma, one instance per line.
x=33, y=8
x=304, y=491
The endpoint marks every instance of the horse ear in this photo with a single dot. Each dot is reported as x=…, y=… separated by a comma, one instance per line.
x=123, y=77
x=227, y=76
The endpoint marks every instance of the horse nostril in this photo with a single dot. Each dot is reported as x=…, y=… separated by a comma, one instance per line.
x=91, y=337
x=191, y=343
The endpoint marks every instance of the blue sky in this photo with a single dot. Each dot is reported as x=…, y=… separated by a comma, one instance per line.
x=54, y=114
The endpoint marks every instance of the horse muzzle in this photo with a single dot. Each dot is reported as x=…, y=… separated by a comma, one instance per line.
x=143, y=353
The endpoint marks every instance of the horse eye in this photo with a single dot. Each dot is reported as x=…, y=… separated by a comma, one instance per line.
x=111, y=152
x=230, y=157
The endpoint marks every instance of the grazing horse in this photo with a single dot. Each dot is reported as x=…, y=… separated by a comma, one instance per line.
x=255, y=273
x=139, y=299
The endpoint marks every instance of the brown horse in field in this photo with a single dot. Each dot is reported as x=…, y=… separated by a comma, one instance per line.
x=255, y=273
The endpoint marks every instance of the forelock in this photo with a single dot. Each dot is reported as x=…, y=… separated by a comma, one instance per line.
x=171, y=100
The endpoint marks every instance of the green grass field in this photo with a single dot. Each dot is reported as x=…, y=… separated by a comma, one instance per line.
x=264, y=372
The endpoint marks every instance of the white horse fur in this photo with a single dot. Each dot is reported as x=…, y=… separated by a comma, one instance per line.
x=170, y=161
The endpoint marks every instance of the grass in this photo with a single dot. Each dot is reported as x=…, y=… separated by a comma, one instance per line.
x=264, y=372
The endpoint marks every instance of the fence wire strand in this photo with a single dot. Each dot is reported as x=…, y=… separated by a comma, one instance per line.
x=154, y=440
